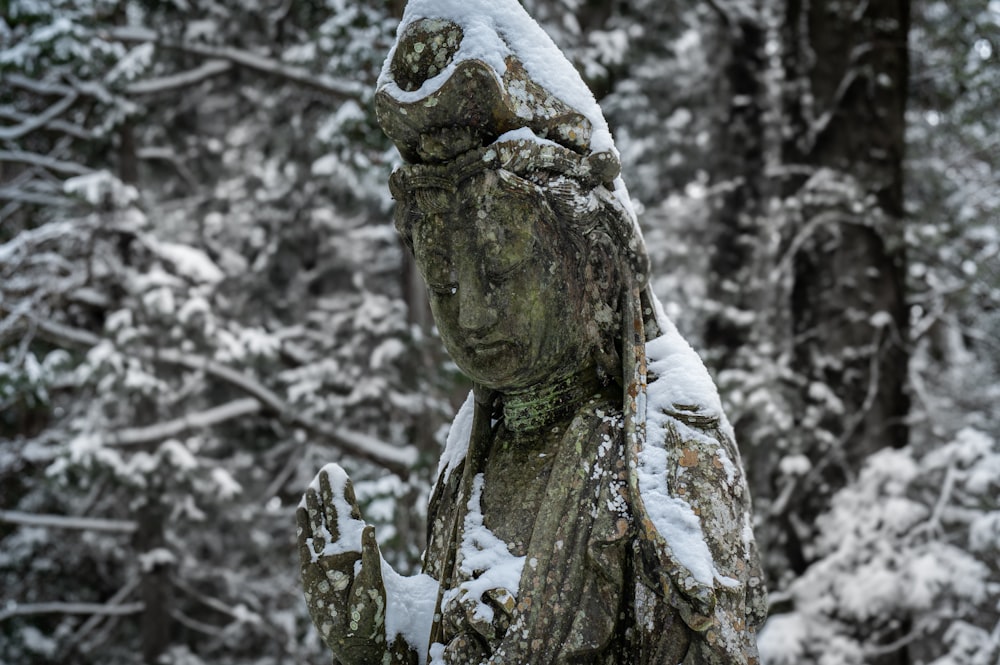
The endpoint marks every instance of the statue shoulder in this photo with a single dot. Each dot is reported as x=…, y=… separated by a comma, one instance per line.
x=702, y=476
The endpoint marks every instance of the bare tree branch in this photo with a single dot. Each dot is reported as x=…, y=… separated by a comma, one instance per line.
x=263, y=64
x=181, y=79
x=104, y=609
x=67, y=522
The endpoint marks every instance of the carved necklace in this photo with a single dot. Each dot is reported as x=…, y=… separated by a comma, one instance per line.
x=538, y=406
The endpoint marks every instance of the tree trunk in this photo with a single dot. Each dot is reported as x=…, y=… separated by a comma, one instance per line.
x=844, y=94
x=155, y=585
x=739, y=182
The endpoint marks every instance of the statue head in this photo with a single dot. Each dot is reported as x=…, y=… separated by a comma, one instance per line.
x=519, y=227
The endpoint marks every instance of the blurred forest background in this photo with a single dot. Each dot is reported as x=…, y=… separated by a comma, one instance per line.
x=203, y=300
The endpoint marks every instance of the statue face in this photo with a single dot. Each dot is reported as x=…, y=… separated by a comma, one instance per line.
x=502, y=288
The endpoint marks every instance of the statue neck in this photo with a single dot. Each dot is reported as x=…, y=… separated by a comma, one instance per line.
x=546, y=404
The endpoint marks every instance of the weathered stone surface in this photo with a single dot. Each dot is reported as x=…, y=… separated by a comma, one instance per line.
x=546, y=543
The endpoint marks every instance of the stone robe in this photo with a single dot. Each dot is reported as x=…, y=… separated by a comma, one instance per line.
x=591, y=591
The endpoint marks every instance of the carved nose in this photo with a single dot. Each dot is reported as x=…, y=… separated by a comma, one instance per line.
x=475, y=312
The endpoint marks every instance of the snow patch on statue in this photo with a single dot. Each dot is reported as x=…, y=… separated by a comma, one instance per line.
x=682, y=385
x=488, y=563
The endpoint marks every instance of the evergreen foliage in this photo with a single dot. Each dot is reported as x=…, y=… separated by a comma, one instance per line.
x=203, y=300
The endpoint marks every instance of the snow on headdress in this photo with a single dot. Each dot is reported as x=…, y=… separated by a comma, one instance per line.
x=476, y=84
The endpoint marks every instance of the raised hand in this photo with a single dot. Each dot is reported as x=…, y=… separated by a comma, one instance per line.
x=341, y=569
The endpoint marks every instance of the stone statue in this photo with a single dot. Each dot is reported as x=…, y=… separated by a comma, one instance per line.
x=590, y=505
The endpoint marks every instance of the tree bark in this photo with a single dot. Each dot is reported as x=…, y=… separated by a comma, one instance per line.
x=844, y=94
x=155, y=587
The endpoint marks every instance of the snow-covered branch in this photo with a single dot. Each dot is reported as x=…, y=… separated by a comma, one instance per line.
x=168, y=155
x=30, y=124
x=67, y=522
x=104, y=609
x=76, y=131
x=181, y=79
x=395, y=458
x=95, y=620
x=34, y=198
x=38, y=87
x=216, y=604
x=135, y=436
x=196, y=625
x=24, y=157
x=254, y=61
x=398, y=459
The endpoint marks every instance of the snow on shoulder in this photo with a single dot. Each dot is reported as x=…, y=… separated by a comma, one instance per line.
x=682, y=384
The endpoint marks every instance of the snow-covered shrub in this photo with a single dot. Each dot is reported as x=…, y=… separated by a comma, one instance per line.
x=908, y=560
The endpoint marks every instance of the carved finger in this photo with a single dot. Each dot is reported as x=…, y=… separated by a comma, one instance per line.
x=370, y=575
x=329, y=506
x=304, y=534
x=367, y=601
x=317, y=520
x=352, y=499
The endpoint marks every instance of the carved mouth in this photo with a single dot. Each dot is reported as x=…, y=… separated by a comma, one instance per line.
x=489, y=349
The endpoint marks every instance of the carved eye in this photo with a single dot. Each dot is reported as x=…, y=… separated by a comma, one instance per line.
x=447, y=287
x=439, y=273
x=430, y=243
x=508, y=252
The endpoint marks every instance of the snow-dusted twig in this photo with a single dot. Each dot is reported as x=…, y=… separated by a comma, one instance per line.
x=181, y=79
x=214, y=603
x=34, y=122
x=33, y=198
x=787, y=492
x=932, y=524
x=874, y=650
x=398, y=459
x=169, y=156
x=60, y=165
x=294, y=457
x=263, y=64
x=67, y=522
x=63, y=334
x=38, y=87
x=784, y=264
x=104, y=609
x=94, y=621
x=819, y=124
x=76, y=131
x=395, y=458
x=862, y=412
x=137, y=436
x=195, y=625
